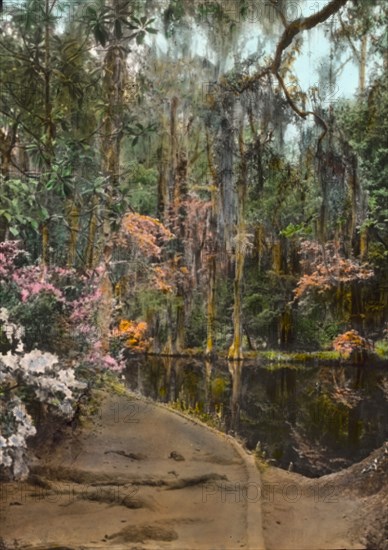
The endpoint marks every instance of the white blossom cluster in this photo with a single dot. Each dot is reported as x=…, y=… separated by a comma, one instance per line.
x=12, y=448
x=12, y=331
x=42, y=374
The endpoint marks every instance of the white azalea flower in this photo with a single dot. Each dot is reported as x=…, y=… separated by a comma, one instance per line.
x=16, y=441
x=67, y=377
x=42, y=373
x=26, y=430
x=4, y=314
x=19, y=333
x=37, y=362
x=6, y=460
x=10, y=361
x=19, y=413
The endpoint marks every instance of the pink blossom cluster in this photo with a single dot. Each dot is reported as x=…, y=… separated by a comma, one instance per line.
x=30, y=282
x=98, y=358
x=84, y=307
x=83, y=310
x=80, y=295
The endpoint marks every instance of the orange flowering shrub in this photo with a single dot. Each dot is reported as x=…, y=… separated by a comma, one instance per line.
x=162, y=278
x=132, y=334
x=148, y=234
x=325, y=268
x=351, y=343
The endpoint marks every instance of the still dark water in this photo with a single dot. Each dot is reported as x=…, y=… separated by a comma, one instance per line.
x=320, y=419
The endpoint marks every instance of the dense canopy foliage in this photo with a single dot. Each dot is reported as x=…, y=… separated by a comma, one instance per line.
x=104, y=127
x=170, y=181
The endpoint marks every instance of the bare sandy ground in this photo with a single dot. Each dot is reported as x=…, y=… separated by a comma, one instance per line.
x=344, y=510
x=141, y=477
x=138, y=476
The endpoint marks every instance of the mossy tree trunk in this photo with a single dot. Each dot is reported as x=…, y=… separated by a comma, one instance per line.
x=362, y=63
x=236, y=349
x=212, y=253
x=163, y=162
x=49, y=128
x=90, y=252
x=115, y=79
x=180, y=199
x=73, y=217
x=7, y=144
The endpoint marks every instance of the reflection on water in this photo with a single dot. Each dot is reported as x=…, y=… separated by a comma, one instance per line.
x=320, y=419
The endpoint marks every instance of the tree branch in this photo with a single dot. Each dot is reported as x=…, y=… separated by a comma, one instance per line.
x=351, y=43
x=303, y=114
x=291, y=30
x=281, y=14
x=303, y=24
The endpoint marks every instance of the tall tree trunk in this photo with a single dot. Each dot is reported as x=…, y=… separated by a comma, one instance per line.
x=73, y=217
x=212, y=253
x=115, y=79
x=285, y=327
x=49, y=134
x=89, y=254
x=235, y=351
x=211, y=305
x=180, y=199
x=163, y=199
x=362, y=63
x=364, y=238
x=173, y=150
x=169, y=214
x=277, y=256
x=355, y=195
x=7, y=144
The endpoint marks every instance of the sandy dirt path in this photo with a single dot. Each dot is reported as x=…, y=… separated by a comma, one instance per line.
x=344, y=510
x=137, y=476
x=309, y=514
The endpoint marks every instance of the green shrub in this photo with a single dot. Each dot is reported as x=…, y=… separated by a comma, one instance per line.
x=381, y=348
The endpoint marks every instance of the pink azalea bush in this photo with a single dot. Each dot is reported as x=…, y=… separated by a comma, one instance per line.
x=56, y=305
x=45, y=302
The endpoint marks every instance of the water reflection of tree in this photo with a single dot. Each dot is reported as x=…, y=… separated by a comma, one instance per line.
x=282, y=394
x=343, y=390
x=191, y=389
x=217, y=390
x=157, y=378
x=314, y=415
x=235, y=369
x=341, y=409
